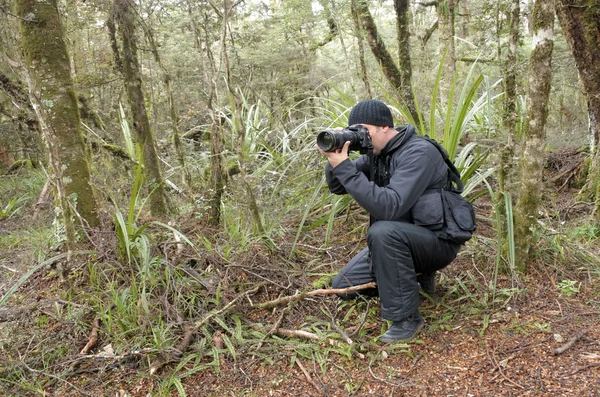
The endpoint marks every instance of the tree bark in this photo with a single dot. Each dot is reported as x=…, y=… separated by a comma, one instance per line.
x=167, y=79
x=404, y=63
x=510, y=116
x=510, y=120
x=389, y=68
x=361, y=51
x=236, y=108
x=55, y=104
x=580, y=22
x=133, y=81
x=532, y=157
x=445, y=12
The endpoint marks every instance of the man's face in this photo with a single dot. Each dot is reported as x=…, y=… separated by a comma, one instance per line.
x=379, y=137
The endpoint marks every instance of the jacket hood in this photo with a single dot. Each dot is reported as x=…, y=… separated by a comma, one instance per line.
x=405, y=132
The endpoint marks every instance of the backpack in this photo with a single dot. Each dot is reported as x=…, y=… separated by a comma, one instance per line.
x=445, y=211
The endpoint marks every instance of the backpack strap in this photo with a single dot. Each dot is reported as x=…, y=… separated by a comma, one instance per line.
x=453, y=173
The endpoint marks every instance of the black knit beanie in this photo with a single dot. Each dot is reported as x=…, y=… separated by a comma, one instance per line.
x=372, y=112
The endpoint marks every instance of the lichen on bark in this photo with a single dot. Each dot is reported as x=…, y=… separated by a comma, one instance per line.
x=532, y=157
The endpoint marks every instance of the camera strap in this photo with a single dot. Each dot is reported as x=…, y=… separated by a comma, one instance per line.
x=371, y=157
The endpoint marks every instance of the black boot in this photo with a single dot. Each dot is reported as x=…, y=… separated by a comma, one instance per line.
x=405, y=330
x=427, y=282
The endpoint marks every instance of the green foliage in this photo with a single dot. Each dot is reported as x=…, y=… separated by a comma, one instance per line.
x=12, y=207
x=568, y=287
x=457, y=122
x=129, y=145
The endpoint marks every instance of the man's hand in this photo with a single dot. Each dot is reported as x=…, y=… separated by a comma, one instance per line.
x=338, y=156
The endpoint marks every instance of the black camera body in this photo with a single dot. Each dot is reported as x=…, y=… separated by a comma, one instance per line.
x=357, y=134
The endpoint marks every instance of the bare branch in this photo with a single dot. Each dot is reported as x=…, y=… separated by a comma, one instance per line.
x=300, y=296
x=570, y=343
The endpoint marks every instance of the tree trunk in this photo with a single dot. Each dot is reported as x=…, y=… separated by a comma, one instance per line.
x=389, y=68
x=167, y=79
x=361, y=51
x=580, y=22
x=55, y=103
x=510, y=116
x=510, y=120
x=402, y=24
x=532, y=157
x=445, y=12
x=236, y=108
x=209, y=68
x=133, y=81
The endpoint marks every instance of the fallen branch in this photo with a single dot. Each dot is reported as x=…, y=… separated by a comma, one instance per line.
x=571, y=342
x=308, y=377
x=287, y=299
x=93, y=336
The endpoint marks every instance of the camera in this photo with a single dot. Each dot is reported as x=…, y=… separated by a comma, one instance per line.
x=357, y=134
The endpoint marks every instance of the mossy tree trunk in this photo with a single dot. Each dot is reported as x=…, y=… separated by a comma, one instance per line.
x=235, y=104
x=510, y=120
x=510, y=115
x=532, y=156
x=394, y=75
x=55, y=103
x=168, y=80
x=124, y=15
x=210, y=72
x=445, y=13
x=361, y=51
x=25, y=117
x=580, y=22
x=404, y=63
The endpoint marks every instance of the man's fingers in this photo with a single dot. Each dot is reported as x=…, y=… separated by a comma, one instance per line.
x=346, y=147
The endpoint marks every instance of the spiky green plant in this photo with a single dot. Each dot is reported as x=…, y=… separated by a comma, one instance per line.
x=12, y=207
x=456, y=121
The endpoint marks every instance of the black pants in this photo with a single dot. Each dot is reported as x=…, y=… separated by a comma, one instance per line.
x=396, y=252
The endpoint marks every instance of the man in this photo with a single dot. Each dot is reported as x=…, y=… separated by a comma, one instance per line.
x=406, y=166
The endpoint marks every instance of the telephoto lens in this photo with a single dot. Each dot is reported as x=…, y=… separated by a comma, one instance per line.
x=331, y=140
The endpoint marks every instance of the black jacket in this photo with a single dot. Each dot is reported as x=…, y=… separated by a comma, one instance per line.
x=413, y=165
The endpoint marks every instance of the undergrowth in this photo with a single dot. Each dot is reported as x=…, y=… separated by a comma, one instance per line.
x=148, y=285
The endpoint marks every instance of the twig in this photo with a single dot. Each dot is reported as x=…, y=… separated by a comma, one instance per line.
x=300, y=296
x=370, y=369
x=362, y=323
x=228, y=306
x=4, y=10
x=344, y=335
x=93, y=336
x=300, y=333
x=578, y=370
x=55, y=377
x=8, y=268
x=499, y=368
x=273, y=329
x=571, y=342
x=308, y=376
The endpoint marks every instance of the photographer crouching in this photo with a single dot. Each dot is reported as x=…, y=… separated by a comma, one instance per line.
x=399, y=177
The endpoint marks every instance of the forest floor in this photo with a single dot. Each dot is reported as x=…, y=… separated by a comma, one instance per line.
x=484, y=335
